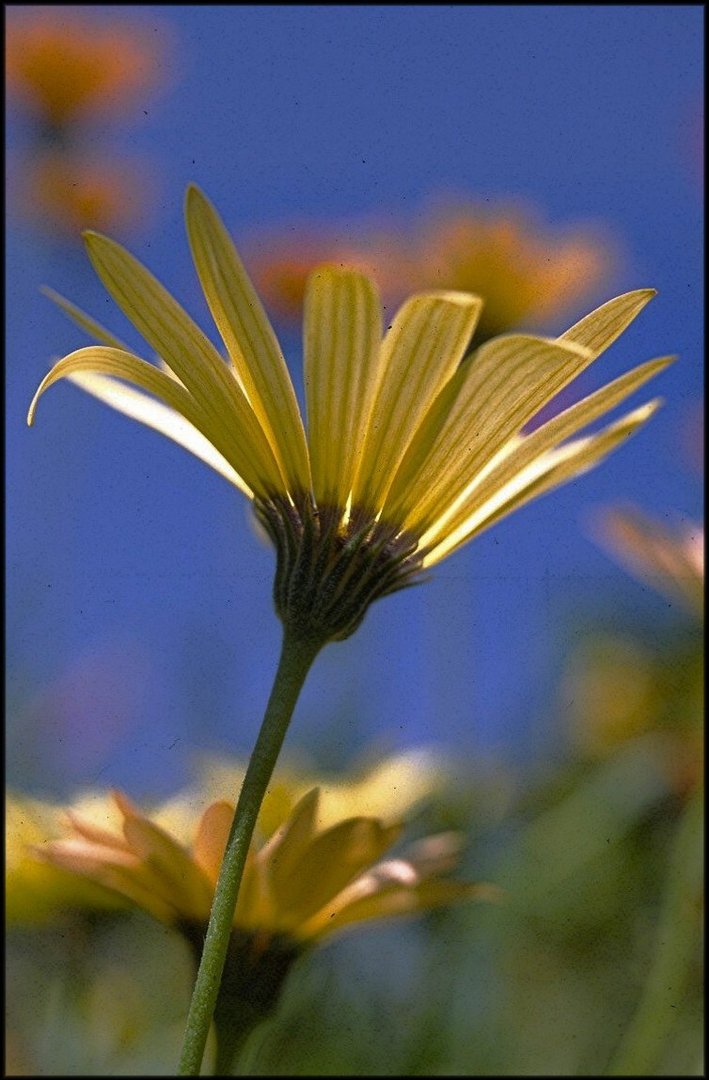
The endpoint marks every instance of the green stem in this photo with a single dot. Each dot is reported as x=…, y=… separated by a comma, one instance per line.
x=297, y=656
x=677, y=949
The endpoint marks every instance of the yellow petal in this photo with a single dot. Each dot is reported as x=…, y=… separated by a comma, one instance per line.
x=248, y=336
x=160, y=418
x=495, y=393
x=671, y=561
x=385, y=901
x=599, y=330
x=212, y=834
x=190, y=354
x=186, y=885
x=88, y=830
x=341, y=338
x=36, y=890
x=514, y=458
x=420, y=353
x=87, y=324
x=285, y=848
x=99, y=360
x=113, y=869
x=387, y=791
x=327, y=865
x=434, y=855
x=548, y=471
x=255, y=907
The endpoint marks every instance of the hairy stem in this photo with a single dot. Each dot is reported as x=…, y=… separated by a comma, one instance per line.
x=297, y=656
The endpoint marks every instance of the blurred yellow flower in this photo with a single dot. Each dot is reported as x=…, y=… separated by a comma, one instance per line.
x=65, y=65
x=611, y=692
x=671, y=561
x=309, y=874
x=64, y=192
x=37, y=891
x=389, y=789
x=410, y=450
x=301, y=884
x=617, y=691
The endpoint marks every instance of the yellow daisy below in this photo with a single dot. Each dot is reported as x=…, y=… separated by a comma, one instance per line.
x=40, y=889
x=412, y=446
x=672, y=561
x=321, y=864
x=301, y=884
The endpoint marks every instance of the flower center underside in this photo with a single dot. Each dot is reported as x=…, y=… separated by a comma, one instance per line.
x=331, y=565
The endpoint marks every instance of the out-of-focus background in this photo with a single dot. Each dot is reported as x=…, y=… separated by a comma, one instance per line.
x=554, y=155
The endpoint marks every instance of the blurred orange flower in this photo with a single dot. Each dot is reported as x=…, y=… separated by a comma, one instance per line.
x=65, y=192
x=64, y=66
x=280, y=264
x=524, y=274
x=672, y=561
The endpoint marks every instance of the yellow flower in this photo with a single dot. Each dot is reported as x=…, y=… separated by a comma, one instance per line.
x=412, y=448
x=617, y=691
x=39, y=889
x=389, y=789
x=65, y=66
x=672, y=561
x=312, y=876
x=301, y=884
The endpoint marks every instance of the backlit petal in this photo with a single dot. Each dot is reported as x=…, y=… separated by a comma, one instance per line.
x=600, y=329
x=499, y=389
x=248, y=336
x=87, y=324
x=341, y=339
x=190, y=354
x=514, y=458
x=100, y=360
x=211, y=838
x=160, y=418
x=327, y=864
x=383, y=901
x=548, y=471
x=420, y=353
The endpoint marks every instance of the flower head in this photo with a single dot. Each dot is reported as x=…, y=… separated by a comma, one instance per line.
x=672, y=561
x=301, y=883
x=525, y=275
x=65, y=66
x=412, y=446
x=39, y=888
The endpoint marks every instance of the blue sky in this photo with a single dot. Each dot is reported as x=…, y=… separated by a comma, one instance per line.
x=130, y=562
